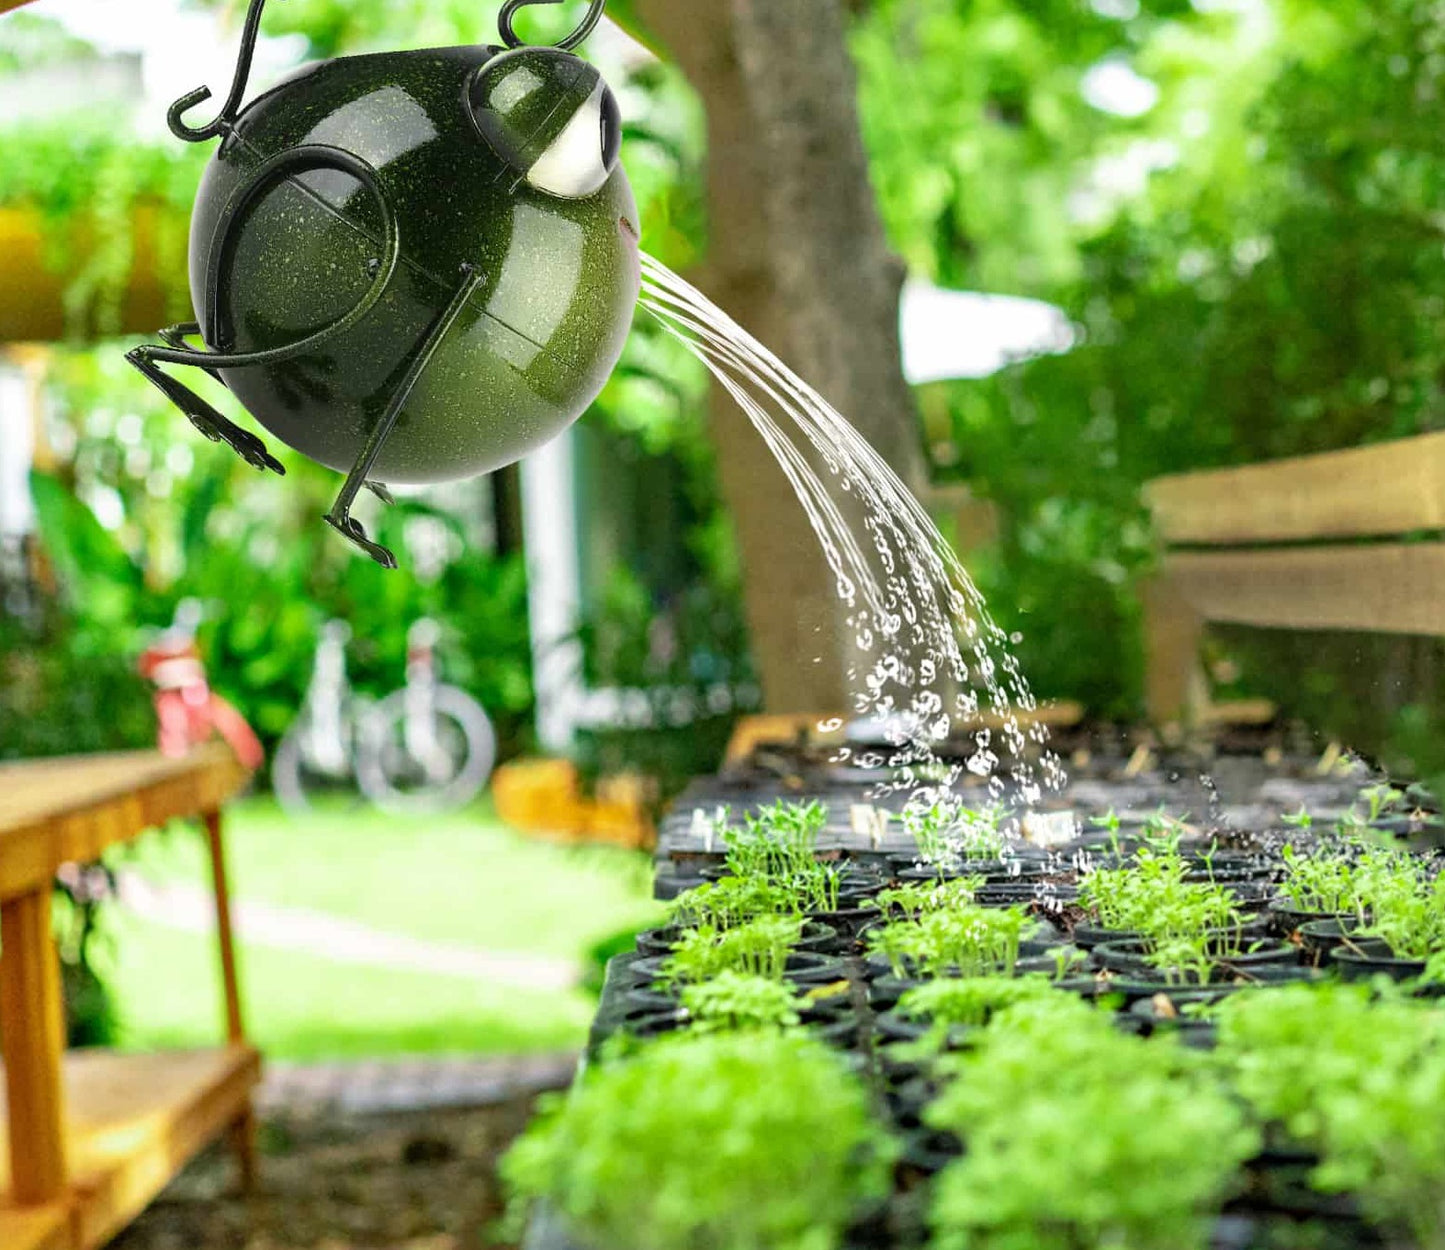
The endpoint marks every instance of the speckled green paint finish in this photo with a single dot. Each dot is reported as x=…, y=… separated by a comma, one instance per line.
x=535, y=344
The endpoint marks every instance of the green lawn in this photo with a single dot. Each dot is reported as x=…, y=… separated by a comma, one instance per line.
x=463, y=880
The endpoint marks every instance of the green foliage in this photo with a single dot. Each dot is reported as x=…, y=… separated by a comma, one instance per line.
x=1252, y=264
x=721, y=1142
x=33, y=42
x=1079, y=1135
x=88, y=183
x=1359, y=1078
x=733, y=1000
x=116, y=586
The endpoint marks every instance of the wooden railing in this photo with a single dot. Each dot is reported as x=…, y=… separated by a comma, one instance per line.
x=1308, y=543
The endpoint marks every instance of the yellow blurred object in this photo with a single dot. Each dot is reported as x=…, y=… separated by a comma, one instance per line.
x=544, y=797
x=32, y=294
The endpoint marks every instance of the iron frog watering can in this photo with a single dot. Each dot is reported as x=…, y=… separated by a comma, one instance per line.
x=412, y=266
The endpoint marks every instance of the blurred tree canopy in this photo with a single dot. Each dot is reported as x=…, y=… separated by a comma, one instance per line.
x=1254, y=262
x=1238, y=202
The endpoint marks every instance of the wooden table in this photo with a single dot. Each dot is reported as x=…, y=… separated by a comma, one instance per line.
x=90, y=1137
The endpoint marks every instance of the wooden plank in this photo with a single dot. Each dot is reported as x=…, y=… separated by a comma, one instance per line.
x=35, y=1228
x=32, y=1031
x=1395, y=588
x=7, y=5
x=1365, y=492
x=1238, y=713
x=1175, y=688
x=71, y=808
x=784, y=728
x=133, y=1121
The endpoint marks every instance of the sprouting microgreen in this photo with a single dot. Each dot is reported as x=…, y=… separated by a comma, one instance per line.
x=735, y=1000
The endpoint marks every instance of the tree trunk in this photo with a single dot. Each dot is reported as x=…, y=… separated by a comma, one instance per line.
x=798, y=257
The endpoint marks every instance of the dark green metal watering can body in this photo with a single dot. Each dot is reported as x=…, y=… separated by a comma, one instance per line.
x=533, y=342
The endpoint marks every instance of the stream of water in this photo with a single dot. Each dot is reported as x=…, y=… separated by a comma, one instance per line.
x=929, y=661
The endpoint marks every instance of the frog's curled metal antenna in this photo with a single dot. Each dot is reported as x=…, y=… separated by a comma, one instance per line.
x=574, y=40
x=232, y=106
x=252, y=29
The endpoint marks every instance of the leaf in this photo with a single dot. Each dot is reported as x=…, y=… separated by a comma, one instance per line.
x=85, y=554
x=624, y=14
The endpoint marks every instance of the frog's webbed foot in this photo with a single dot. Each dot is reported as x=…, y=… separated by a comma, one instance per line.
x=340, y=516
x=349, y=527
x=200, y=414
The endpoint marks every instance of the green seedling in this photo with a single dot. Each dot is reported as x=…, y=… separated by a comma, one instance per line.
x=1322, y=883
x=759, y=948
x=969, y=941
x=1081, y=1136
x=948, y=834
x=1410, y=917
x=733, y=1001
x=730, y=901
x=1151, y=897
x=1109, y=820
x=1163, y=832
x=778, y=843
x=1378, y=800
x=725, y=1141
x=917, y=900
x=969, y=1000
x=1357, y=1074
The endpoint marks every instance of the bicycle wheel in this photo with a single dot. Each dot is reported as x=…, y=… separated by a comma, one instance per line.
x=396, y=782
x=294, y=781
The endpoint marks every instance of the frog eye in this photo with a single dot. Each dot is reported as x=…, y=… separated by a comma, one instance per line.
x=550, y=117
x=580, y=159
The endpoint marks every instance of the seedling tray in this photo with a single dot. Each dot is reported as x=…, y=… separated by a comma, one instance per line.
x=1273, y=1190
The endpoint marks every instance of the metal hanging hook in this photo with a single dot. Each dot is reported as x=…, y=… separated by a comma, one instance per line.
x=227, y=115
x=574, y=40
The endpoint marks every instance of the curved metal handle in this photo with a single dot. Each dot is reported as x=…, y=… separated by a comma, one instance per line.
x=227, y=115
x=283, y=164
x=574, y=40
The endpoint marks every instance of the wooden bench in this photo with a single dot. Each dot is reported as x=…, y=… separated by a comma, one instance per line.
x=807, y=729
x=1307, y=543
x=88, y=1138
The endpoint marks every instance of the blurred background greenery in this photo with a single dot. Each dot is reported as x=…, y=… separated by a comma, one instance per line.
x=1236, y=202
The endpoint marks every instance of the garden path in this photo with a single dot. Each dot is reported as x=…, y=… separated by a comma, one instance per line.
x=191, y=909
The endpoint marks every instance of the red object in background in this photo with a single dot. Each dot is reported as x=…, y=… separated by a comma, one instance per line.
x=187, y=709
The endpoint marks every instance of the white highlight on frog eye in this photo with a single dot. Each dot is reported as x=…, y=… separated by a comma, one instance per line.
x=572, y=166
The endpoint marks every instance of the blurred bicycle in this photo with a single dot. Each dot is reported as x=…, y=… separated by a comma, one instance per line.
x=426, y=748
